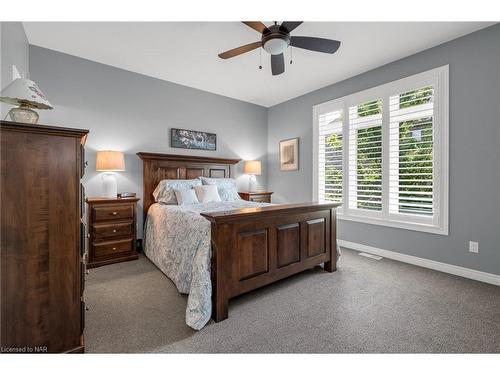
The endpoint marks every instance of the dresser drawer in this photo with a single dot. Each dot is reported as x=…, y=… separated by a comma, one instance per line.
x=101, y=231
x=108, y=248
x=122, y=211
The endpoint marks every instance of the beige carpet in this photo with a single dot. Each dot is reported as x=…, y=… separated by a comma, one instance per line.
x=366, y=306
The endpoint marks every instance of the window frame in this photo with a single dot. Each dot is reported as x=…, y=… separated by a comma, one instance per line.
x=439, y=79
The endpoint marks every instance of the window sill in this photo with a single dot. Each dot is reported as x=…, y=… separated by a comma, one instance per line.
x=396, y=224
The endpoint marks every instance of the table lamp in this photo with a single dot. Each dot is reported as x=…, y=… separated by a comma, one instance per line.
x=252, y=168
x=28, y=96
x=109, y=161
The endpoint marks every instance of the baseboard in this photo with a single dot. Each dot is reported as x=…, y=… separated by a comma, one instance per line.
x=485, y=277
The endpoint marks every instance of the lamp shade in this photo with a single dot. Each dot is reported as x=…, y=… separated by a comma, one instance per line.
x=109, y=161
x=253, y=167
x=22, y=91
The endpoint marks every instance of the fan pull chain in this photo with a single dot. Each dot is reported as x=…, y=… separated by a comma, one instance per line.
x=260, y=58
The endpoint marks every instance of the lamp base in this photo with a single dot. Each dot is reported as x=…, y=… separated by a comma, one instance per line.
x=23, y=114
x=109, y=185
x=252, y=183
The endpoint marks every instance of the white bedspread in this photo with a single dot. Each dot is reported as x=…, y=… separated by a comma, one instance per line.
x=177, y=241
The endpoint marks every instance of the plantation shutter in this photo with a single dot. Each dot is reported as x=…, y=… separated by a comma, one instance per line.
x=365, y=156
x=330, y=157
x=384, y=153
x=411, y=162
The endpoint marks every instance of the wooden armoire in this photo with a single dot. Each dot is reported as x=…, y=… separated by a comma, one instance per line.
x=42, y=238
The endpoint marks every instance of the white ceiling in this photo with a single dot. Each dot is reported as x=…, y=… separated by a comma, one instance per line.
x=186, y=52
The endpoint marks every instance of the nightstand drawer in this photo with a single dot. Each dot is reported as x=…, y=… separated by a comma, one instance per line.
x=256, y=196
x=260, y=198
x=102, y=213
x=112, y=230
x=108, y=248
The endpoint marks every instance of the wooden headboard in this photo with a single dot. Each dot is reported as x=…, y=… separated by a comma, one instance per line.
x=157, y=167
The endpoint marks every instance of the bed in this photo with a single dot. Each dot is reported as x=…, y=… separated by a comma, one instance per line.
x=216, y=251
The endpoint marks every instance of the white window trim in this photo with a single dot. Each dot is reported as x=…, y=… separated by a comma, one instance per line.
x=439, y=78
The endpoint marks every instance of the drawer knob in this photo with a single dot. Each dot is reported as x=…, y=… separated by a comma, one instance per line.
x=114, y=212
x=114, y=248
x=114, y=230
x=87, y=308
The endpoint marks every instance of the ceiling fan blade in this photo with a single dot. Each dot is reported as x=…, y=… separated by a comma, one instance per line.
x=315, y=44
x=291, y=25
x=256, y=25
x=277, y=64
x=239, y=50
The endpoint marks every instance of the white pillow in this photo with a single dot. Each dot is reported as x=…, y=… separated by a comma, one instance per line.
x=186, y=197
x=207, y=193
x=227, y=188
x=164, y=192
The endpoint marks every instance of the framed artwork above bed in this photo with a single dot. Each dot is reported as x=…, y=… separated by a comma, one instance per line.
x=289, y=154
x=193, y=139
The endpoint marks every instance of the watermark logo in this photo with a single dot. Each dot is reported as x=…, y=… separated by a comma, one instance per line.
x=24, y=349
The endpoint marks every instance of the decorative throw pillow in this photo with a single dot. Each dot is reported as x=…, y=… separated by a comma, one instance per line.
x=186, y=197
x=164, y=192
x=227, y=188
x=207, y=193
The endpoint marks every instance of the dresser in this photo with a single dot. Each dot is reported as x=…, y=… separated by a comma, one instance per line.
x=42, y=238
x=256, y=196
x=112, y=230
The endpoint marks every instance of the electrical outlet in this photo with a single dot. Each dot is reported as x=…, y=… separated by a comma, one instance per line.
x=473, y=247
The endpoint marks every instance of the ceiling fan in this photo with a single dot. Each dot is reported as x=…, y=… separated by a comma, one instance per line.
x=276, y=39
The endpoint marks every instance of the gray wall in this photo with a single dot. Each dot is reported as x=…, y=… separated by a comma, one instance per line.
x=131, y=112
x=13, y=51
x=474, y=152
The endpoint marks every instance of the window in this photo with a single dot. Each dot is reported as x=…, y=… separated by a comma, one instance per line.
x=411, y=152
x=365, y=156
x=330, y=156
x=386, y=160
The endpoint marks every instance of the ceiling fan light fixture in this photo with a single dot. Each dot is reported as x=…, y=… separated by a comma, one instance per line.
x=276, y=46
x=276, y=39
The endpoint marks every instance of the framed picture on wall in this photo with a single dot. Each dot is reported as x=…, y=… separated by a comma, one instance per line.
x=192, y=139
x=289, y=154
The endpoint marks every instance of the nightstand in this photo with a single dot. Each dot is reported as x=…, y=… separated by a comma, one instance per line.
x=112, y=230
x=256, y=196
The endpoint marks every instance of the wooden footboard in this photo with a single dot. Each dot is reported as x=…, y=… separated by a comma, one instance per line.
x=253, y=247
